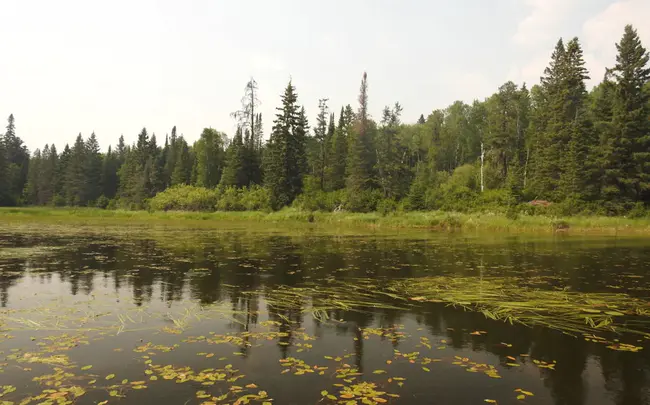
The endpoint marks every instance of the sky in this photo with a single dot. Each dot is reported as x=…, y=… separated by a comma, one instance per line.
x=114, y=67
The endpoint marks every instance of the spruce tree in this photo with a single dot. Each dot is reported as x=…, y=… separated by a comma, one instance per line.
x=170, y=158
x=17, y=162
x=284, y=160
x=110, y=180
x=93, y=163
x=61, y=175
x=629, y=168
x=321, y=135
x=75, y=176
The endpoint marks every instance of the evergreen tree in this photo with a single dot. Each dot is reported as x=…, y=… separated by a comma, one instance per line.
x=110, y=179
x=17, y=162
x=234, y=173
x=47, y=175
x=93, y=163
x=391, y=172
x=61, y=174
x=421, y=120
x=135, y=173
x=75, y=176
x=5, y=198
x=360, y=162
x=183, y=168
x=31, y=188
x=321, y=135
x=628, y=168
x=170, y=158
x=338, y=150
x=284, y=161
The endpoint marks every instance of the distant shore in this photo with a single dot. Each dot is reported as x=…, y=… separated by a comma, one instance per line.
x=433, y=220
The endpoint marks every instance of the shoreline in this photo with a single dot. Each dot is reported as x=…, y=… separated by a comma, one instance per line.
x=430, y=220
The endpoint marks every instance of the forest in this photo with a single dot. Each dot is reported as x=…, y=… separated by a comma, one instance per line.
x=556, y=147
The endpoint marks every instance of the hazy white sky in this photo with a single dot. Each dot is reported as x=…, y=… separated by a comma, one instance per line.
x=112, y=67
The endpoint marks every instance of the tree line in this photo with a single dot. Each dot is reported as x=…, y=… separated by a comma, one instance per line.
x=557, y=141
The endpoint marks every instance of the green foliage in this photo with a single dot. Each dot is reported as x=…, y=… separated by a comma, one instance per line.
x=102, y=202
x=285, y=162
x=192, y=198
x=585, y=153
x=185, y=198
x=315, y=199
x=360, y=161
x=209, y=158
x=386, y=206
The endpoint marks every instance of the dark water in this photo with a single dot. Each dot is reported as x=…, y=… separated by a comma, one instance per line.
x=198, y=299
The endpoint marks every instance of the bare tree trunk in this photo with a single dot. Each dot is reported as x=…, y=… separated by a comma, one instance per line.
x=482, y=161
x=526, y=166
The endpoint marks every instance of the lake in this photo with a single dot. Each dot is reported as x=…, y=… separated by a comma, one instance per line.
x=235, y=315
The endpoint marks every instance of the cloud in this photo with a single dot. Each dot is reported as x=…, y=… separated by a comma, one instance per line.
x=536, y=34
x=545, y=15
x=531, y=71
x=601, y=32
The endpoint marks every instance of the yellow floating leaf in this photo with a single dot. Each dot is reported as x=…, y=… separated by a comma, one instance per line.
x=110, y=376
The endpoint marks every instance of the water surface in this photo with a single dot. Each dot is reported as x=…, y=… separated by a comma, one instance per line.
x=150, y=310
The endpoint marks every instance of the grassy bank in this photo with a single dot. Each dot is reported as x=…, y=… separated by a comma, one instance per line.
x=435, y=220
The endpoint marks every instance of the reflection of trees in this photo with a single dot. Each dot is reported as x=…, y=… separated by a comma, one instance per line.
x=232, y=265
x=10, y=274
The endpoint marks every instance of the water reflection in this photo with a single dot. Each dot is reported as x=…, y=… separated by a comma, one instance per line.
x=225, y=267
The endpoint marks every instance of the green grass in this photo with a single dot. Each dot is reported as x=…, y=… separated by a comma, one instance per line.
x=435, y=220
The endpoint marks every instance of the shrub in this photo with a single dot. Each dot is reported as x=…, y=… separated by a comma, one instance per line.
x=363, y=200
x=387, y=206
x=255, y=198
x=638, y=211
x=58, y=201
x=102, y=202
x=185, y=198
x=229, y=200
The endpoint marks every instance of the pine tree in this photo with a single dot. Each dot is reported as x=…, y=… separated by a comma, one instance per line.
x=421, y=120
x=360, y=162
x=93, y=163
x=284, y=160
x=629, y=162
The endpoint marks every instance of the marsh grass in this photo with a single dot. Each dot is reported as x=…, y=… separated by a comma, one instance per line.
x=290, y=217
